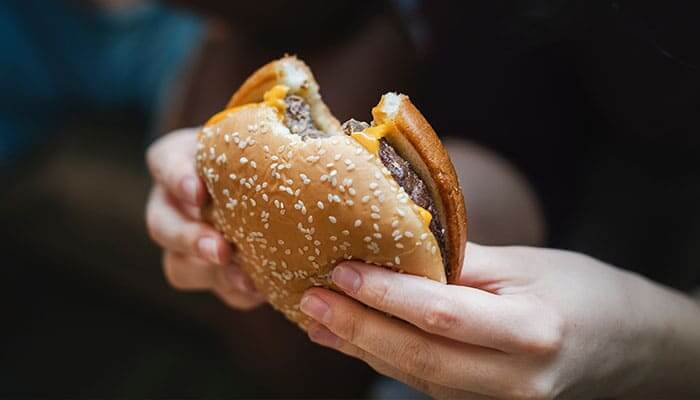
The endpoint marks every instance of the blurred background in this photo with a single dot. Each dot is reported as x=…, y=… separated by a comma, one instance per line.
x=595, y=103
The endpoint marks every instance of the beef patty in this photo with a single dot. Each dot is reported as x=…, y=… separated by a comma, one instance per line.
x=405, y=175
x=297, y=117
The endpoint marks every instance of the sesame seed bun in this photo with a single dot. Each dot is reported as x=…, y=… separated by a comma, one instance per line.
x=294, y=208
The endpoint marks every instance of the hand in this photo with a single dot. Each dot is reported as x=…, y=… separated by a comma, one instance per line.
x=519, y=323
x=196, y=256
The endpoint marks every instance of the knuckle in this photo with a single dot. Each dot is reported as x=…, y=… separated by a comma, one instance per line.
x=440, y=317
x=379, y=294
x=151, y=155
x=349, y=328
x=416, y=358
x=546, y=337
x=170, y=272
x=153, y=225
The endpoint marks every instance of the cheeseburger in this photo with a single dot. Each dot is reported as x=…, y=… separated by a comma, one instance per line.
x=297, y=192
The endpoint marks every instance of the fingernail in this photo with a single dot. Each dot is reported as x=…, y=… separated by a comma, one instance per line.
x=207, y=248
x=321, y=335
x=346, y=278
x=189, y=188
x=315, y=308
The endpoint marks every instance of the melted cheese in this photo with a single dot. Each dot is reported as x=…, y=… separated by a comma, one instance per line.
x=369, y=138
x=273, y=98
x=425, y=215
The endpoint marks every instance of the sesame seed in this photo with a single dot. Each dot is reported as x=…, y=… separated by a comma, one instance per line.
x=345, y=232
x=408, y=234
x=358, y=223
x=395, y=223
x=365, y=198
x=399, y=245
x=367, y=239
x=320, y=205
x=433, y=250
x=374, y=208
x=349, y=202
x=375, y=216
x=423, y=236
x=243, y=160
x=324, y=178
x=397, y=260
x=377, y=235
x=376, y=227
x=253, y=164
x=373, y=185
x=265, y=197
x=333, y=173
x=333, y=238
x=329, y=165
x=352, y=191
x=332, y=219
x=337, y=157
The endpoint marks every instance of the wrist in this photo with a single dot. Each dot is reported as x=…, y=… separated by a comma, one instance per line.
x=669, y=337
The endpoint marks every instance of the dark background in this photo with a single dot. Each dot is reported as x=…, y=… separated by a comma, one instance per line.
x=596, y=102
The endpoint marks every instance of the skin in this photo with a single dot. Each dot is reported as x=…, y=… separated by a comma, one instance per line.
x=195, y=255
x=520, y=322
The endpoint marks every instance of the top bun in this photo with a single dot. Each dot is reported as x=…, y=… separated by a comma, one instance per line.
x=296, y=206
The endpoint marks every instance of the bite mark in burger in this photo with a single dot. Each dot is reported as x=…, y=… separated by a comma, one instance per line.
x=297, y=193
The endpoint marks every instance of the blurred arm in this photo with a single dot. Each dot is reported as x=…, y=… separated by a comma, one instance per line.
x=501, y=206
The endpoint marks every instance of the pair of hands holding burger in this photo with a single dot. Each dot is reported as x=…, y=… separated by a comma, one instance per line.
x=303, y=199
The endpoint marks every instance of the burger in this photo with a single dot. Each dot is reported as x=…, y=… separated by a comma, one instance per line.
x=297, y=192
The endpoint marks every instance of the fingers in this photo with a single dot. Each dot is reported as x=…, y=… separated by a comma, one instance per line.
x=496, y=268
x=321, y=335
x=461, y=313
x=173, y=231
x=409, y=349
x=172, y=164
x=189, y=273
x=228, y=283
x=236, y=289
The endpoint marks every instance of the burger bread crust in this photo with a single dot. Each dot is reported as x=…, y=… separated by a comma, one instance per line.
x=294, y=208
x=418, y=143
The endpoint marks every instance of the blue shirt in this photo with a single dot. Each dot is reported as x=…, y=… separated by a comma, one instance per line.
x=57, y=58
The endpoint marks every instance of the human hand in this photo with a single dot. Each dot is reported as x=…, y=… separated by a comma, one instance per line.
x=519, y=323
x=195, y=255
